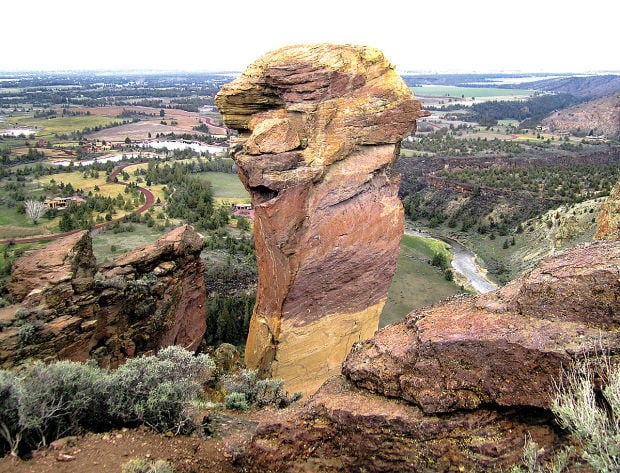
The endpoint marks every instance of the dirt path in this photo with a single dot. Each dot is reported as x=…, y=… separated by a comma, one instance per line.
x=219, y=449
x=150, y=200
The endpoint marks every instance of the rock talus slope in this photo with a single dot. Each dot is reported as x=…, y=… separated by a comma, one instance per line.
x=458, y=386
x=319, y=129
x=151, y=297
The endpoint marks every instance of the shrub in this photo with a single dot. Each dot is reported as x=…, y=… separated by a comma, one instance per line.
x=61, y=398
x=596, y=427
x=136, y=465
x=44, y=402
x=236, y=401
x=157, y=390
x=10, y=432
x=258, y=392
x=26, y=334
x=590, y=414
x=22, y=313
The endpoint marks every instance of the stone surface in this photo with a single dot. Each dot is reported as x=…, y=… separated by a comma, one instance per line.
x=151, y=297
x=64, y=267
x=456, y=387
x=320, y=127
x=608, y=226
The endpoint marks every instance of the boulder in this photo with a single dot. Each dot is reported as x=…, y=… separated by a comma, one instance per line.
x=457, y=386
x=319, y=130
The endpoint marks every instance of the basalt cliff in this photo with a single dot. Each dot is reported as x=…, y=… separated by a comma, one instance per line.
x=319, y=130
x=68, y=307
x=459, y=386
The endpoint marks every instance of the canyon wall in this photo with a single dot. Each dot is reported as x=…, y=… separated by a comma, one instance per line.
x=70, y=308
x=319, y=130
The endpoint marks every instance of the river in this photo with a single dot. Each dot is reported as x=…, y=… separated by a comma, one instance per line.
x=463, y=262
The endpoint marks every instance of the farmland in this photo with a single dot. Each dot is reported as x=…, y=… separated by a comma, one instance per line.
x=487, y=93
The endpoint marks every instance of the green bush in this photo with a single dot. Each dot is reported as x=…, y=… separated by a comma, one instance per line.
x=22, y=313
x=595, y=425
x=257, y=392
x=44, y=402
x=10, y=432
x=26, y=334
x=236, y=401
x=590, y=414
x=61, y=399
x=157, y=390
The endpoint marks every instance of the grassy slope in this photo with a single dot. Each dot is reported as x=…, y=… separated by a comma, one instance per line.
x=107, y=245
x=416, y=283
x=226, y=186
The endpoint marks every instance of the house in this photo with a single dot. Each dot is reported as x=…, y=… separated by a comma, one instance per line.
x=60, y=203
x=244, y=210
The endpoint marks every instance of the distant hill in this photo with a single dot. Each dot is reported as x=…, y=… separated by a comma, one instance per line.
x=579, y=86
x=601, y=116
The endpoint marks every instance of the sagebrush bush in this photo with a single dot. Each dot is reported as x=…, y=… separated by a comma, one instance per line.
x=26, y=334
x=136, y=465
x=44, y=402
x=61, y=398
x=157, y=390
x=258, y=392
x=236, y=401
x=590, y=414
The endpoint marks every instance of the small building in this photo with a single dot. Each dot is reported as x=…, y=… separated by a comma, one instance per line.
x=244, y=210
x=60, y=203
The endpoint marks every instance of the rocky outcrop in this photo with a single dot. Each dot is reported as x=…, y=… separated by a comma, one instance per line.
x=56, y=274
x=320, y=127
x=151, y=297
x=608, y=222
x=456, y=387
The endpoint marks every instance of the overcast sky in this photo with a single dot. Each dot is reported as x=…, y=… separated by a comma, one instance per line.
x=206, y=35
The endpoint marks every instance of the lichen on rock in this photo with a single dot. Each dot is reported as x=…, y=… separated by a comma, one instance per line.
x=319, y=130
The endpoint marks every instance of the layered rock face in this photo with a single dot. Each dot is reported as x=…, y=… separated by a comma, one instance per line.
x=608, y=226
x=320, y=127
x=151, y=297
x=456, y=387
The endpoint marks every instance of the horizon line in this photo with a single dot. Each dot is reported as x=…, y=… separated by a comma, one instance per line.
x=236, y=72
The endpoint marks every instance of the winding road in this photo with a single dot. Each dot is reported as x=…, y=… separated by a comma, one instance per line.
x=150, y=200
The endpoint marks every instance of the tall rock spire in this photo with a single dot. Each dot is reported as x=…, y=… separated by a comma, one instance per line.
x=319, y=128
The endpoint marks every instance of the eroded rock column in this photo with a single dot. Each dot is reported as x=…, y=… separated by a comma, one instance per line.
x=319, y=128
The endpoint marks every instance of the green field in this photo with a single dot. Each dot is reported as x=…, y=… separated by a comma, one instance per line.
x=226, y=186
x=107, y=244
x=416, y=282
x=65, y=125
x=468, y=92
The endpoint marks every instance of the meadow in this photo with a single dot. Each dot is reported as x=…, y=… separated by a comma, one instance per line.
x=226, y=186
x=416, y=282
x=48, y=127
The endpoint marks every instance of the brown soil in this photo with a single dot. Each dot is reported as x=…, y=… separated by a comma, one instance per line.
x=107, y=452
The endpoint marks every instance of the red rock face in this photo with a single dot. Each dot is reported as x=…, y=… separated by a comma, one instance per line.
x=608, y=226
x=319, y=128
x=456, y=387
x=151, y=297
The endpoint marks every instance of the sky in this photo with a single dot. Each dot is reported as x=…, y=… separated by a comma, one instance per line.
x=416, y=36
